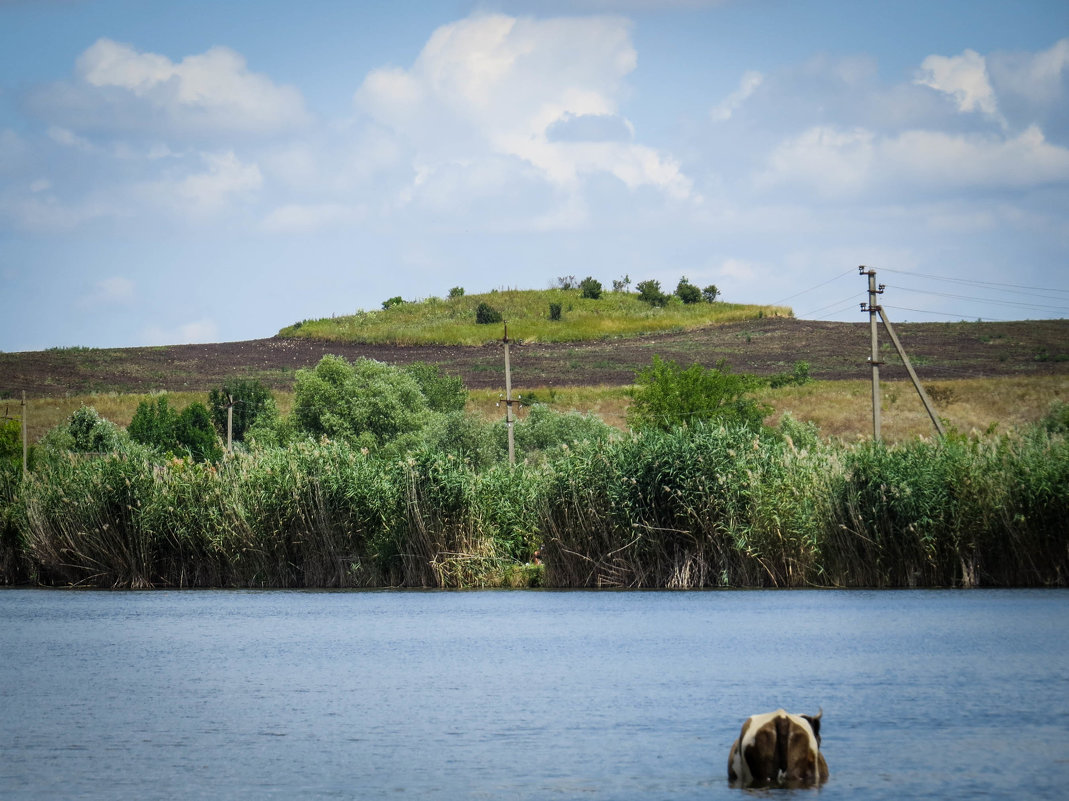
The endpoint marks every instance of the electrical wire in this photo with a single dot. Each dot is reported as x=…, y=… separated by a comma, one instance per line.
x=996, y=301
x=818, y=286
x=975, y=282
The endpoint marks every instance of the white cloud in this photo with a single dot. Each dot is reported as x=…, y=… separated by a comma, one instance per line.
x=117, y=87
x=750, y=82
x=115, y=290
x=297, y=218
x=494, y=86
x=207, y=193
x=196, y=331
x=837, y=163
x=67, y=138
x=963, y=77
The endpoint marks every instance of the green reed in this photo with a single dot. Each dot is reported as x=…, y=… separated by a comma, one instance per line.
x=695, y=507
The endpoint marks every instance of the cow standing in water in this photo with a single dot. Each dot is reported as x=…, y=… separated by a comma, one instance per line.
x=778, y=750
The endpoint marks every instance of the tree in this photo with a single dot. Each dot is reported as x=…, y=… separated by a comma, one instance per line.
x=667, y=396
x=91, y=433
x=650, y=292
x=486, y=314
x=710, y=293
x=687, y=292
x=367, y=403
x=566, y=282
x=162, y=427
x=154, y=424
x=456, y=292
x=444, y=393
x=194, y=433
x=591, y=288
x=621, y=284
x=396, y=300
x=251, y=399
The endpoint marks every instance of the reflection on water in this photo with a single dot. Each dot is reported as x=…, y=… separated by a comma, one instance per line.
x=487, y=695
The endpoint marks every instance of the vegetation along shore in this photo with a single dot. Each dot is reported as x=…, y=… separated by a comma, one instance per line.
x=369, y=464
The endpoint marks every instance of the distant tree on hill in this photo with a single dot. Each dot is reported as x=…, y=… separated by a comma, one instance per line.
x=486, y=314
x=591, y=288
x=650, y=292
x=710, y=293
x=687, y=292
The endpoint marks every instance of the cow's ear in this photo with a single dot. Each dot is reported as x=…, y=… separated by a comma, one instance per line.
x=814, y=723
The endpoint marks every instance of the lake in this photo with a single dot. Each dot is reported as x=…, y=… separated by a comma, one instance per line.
x=525, y=694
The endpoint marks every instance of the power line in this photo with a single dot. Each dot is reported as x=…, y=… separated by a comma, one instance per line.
x=942, y=314
x=972, y=281
x=1018, y=304
x=818, y=286
x=851, y=299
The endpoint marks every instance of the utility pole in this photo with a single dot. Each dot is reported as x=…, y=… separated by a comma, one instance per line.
x=508, y=398
x=229, y=423
x=874, y=359
x=875, y=309
x=25, y=443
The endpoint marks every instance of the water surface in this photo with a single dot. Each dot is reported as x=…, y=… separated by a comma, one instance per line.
x=525, y=695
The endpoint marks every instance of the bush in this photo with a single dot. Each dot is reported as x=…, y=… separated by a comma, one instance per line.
x=797, y=377
x=650, y=292
x=1056, y=420
x=195, y=433
x=687, y=292
x=591, y=288
x=621, y=284
x=444, y=393
x=710, y=293
x=566, y=282
x=366, y=403
x=456, y=292
x=668, y=396
x=396, y=300
x=554, y=311
x=486, y=314
x=545, y=430
x=170, y=432
x=11, y=441
x=251, y=399
x=91, y=433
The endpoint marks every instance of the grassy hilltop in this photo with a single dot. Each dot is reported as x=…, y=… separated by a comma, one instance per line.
x=452, y=321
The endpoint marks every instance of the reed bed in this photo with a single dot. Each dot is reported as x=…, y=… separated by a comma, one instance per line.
x=704, y=506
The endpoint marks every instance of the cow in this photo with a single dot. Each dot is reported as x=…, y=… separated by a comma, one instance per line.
x=778, y=749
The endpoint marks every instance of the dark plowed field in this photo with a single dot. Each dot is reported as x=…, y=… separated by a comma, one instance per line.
x=833, y=350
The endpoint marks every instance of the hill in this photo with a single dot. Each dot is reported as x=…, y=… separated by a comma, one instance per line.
x=531, y=317
x=834, y=351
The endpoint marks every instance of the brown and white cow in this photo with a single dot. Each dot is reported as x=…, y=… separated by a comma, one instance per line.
x=778, y=749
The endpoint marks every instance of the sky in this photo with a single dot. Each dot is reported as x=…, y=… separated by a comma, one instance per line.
x=212, y=171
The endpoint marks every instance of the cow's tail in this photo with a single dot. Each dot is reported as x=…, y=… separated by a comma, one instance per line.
x=783, y=737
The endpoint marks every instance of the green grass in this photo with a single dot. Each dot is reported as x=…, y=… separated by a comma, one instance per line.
x=452, y=322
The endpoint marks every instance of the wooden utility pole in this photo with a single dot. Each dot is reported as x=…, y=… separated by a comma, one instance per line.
x=25, y=439
x=230, y=423
x=508, y=398
x=875, y=309
x=874, y=359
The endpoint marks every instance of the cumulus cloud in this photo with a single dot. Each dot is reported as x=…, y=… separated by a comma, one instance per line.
x=963, y=77
x=545, y=92
x=838, y=163
x=119, y=88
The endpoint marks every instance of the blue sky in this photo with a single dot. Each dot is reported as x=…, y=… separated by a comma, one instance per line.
x=209, y=171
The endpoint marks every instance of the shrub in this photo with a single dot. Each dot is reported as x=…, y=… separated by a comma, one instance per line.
x=195, y=433
x=650, y=292
x=566, y=282
x=251, y=399
x=546, y=430
x=797, y=377
x=444, y=393
x=456, y=292
x=154, y=424
x=687, y=292
x=667, y=396
x=91, y=433
x=710, y=293
x=486, y=314
x=621, y=284
x=591, y=288
x=11, y=440
x=366, y=403
x=554, y=311
x=396, y=300
x=1056, y=420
